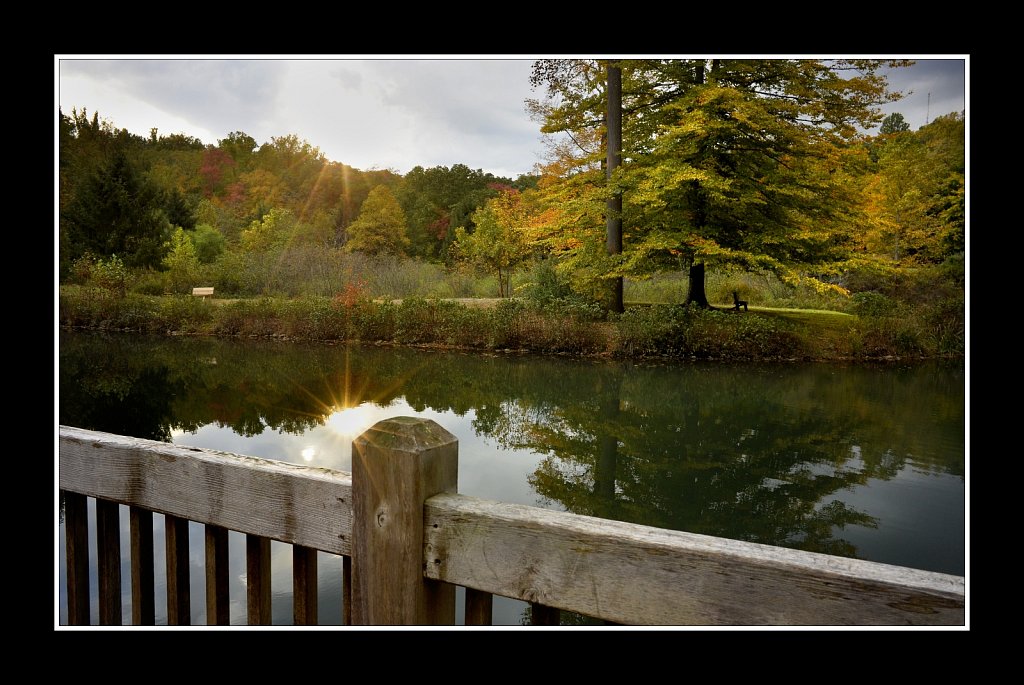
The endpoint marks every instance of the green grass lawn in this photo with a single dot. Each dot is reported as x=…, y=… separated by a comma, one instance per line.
x=826, y=331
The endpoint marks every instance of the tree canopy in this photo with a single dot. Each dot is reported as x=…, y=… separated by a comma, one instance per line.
x=894, y=123
x=726, y=162
x=501, y=240
x=117, y=210
x=439, y=199
x=915, y=197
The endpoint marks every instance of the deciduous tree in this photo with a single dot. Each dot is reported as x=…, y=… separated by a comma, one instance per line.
x=894, y=123
x=726, y=162
x=272, y=232
x=380, y=228
x=915, y=196
x=437, y=200
x=500, y=241
x=181, y=262
x=209, y=243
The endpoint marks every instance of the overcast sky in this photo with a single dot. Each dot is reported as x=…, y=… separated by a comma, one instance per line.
x=377, y=113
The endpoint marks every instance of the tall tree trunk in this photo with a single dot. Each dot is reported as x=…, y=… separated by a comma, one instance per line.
x=613, y=209
x=696, y=294
x=609, y=391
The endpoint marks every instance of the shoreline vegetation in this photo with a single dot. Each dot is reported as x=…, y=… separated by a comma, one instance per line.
x=522, y=324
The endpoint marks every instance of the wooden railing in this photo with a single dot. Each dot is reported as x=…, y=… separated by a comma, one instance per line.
x=407, y=539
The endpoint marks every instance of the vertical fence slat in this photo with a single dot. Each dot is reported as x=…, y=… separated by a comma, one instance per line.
x=140, y=525
x=543, y=615
x=396, y=465
x=76, y=529
x=346, y=590
x=179, y=598
x=257, y=580
x=479, y=607
x=108, y=561
x=218, y=605
x=304, y=589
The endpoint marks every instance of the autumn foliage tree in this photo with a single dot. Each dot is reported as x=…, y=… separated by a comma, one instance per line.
x=380, y=228
x=915, y=193
x=501, y=240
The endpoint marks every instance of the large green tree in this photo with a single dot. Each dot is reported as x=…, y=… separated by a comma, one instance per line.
x=726, y=162
x=117, y=210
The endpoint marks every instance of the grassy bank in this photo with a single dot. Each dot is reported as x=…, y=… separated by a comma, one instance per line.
x=657, y=330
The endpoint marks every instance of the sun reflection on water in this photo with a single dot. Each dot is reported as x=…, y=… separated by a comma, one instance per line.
x=352, y=421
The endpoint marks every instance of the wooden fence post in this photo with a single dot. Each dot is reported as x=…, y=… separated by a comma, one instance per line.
x=140, y=524
x=108, y=557
x=396, y=465
x=76, y=528
x=179, y=595
x=218, y=602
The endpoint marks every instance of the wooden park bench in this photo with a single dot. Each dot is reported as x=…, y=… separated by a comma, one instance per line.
x=737, y=302
x=202, y=292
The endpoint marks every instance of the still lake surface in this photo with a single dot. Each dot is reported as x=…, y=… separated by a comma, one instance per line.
x=863, y=461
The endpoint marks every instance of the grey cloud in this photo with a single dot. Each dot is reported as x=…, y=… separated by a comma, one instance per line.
x=348, y=78
x=472, y=108
x=221, y=95
x=931, y=87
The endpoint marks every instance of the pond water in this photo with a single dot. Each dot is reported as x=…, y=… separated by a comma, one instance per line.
x=864, y=461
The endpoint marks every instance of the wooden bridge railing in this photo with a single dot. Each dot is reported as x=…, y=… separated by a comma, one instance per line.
x=407, y=539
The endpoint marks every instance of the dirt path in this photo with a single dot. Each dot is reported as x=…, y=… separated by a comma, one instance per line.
x=477, y=302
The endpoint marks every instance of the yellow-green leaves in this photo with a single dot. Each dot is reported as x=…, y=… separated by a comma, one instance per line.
x=503, y=236
x=380, y=228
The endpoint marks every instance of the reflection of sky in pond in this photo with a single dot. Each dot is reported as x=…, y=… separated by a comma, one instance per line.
x=483, y=472
x=918, y=513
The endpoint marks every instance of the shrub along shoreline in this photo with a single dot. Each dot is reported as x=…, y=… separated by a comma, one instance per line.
x=650, y=331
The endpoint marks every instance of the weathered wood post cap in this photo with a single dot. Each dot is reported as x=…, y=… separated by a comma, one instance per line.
x=397, y=464
x=405, y=434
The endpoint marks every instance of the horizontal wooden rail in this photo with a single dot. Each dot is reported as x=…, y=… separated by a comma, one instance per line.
x=634, y=574
x=296, y=504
